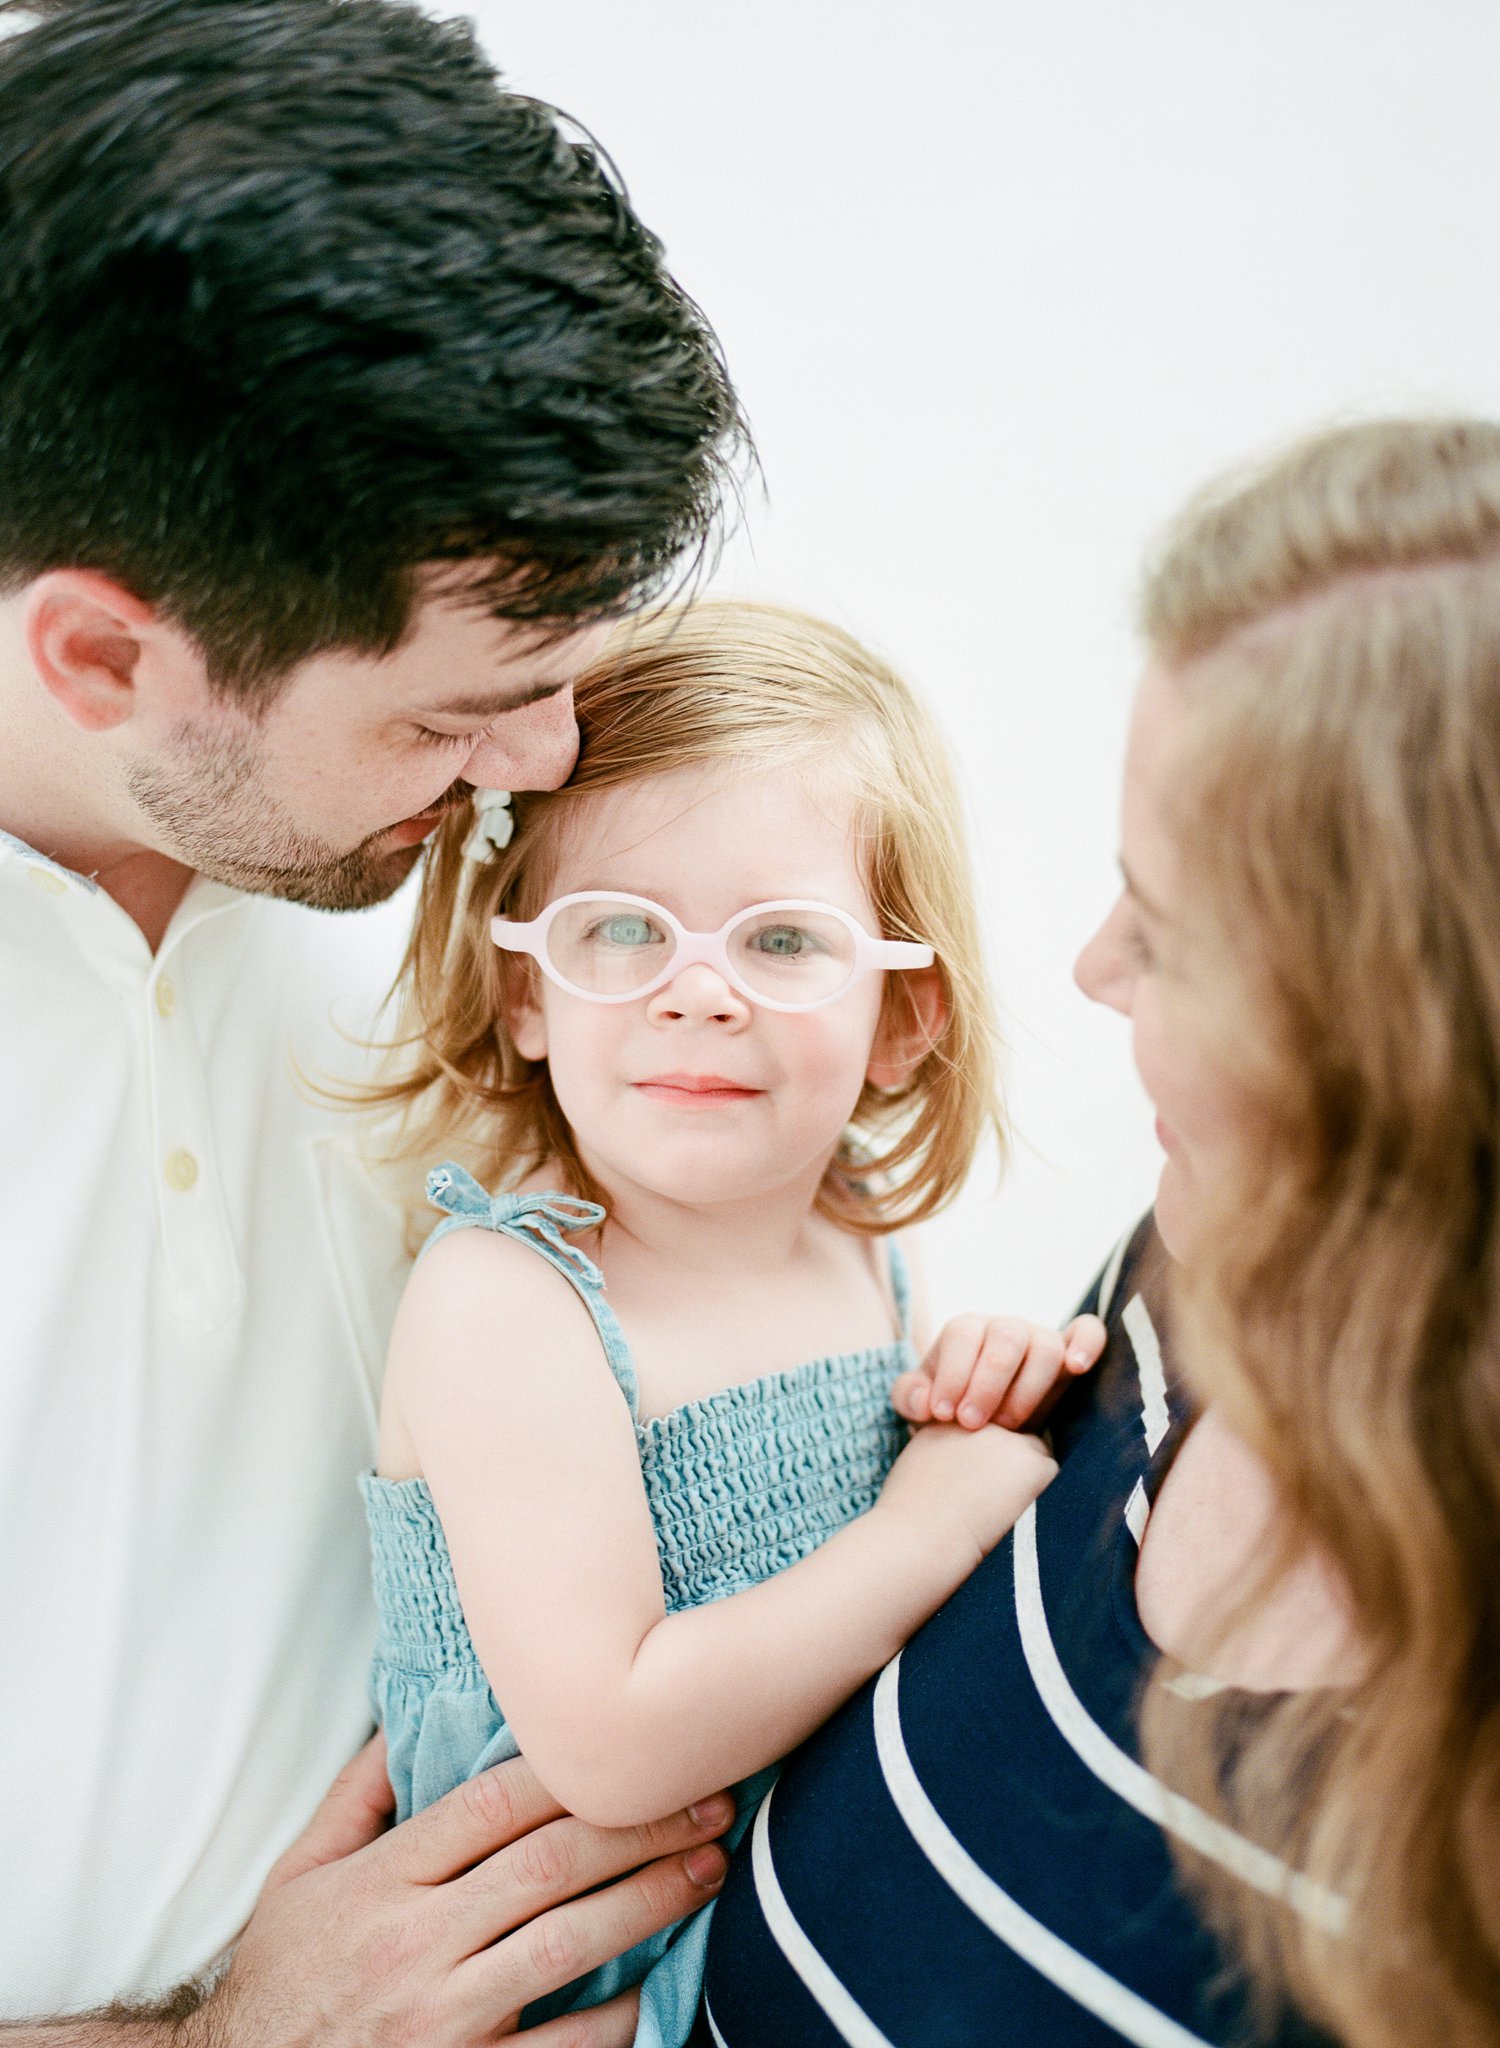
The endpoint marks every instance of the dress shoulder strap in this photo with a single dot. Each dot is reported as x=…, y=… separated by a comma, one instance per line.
x=900, y=1284
x=541, y=1222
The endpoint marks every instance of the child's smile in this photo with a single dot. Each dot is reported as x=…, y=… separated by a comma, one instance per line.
x=692, y=1091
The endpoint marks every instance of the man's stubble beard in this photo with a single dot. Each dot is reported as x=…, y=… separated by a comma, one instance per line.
x=208, y=798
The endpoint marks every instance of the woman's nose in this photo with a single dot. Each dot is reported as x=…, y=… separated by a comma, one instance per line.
x=1102, y=967
x=699, y=994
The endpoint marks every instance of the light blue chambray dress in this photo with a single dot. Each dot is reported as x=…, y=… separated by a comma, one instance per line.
x=740, y=1485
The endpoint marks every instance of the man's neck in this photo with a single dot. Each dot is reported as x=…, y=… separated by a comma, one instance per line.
x=51, y=798
x=148, y=887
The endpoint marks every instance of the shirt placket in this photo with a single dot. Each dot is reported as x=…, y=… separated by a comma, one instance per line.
x=202, y=1265
x=203, y=1273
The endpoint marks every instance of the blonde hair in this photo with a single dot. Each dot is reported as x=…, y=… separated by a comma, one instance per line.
x=1334, y=624
x=742, y=686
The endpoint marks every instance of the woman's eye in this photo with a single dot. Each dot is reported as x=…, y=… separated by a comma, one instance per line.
x=426, y=737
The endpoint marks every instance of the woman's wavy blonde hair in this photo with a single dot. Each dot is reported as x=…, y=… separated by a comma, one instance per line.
x=744, y=687
x=1334, y=624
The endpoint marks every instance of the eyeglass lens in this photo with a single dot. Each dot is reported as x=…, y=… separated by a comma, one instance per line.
x=790, y=956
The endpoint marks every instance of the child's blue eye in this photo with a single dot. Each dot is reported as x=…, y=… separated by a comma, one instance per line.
x=785, y=941
x=629, y=928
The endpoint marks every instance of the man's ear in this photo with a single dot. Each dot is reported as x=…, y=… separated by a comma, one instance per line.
x=83, y=633
x=911, y=1024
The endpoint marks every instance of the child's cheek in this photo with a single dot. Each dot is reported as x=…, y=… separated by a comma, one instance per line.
x=831, y=1061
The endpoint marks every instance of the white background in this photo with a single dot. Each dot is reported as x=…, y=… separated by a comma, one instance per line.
x=999, y=283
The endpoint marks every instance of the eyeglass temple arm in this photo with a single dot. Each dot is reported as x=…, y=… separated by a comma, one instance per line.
x=514, y=936
x=900, y=953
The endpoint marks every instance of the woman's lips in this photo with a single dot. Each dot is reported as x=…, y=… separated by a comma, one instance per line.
x=696, y=1088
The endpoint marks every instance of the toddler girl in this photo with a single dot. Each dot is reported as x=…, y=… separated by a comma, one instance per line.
x=714, y=1025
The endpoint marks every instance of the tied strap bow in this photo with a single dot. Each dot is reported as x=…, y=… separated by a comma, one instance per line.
x=545, y=1216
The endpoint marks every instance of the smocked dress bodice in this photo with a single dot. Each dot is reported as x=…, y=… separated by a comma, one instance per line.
x=740, y=1485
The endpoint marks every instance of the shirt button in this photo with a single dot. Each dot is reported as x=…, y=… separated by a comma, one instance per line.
x=48, y=879
x=181, y=1170
x=166, y=997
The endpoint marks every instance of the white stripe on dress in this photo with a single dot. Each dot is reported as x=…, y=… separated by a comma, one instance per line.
x=849, y=2020
x=1137, y=1512
x=1130, y=1780
x=1047, y=1953
x=1154, y=1416
x=713, y=2024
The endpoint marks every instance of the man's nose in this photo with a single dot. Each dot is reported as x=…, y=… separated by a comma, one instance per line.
x=530, y=749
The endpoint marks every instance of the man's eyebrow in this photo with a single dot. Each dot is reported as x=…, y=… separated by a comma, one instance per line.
x=482, y=704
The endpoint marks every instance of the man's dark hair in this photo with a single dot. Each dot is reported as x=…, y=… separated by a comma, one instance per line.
x=295, y=298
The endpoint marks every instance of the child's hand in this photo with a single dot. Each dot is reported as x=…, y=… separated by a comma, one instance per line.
x=975, y=1483
x=995, y=1369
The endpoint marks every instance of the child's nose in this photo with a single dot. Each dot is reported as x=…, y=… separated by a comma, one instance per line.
x=698, y=995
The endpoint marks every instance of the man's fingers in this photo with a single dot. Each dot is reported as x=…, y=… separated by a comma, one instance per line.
x=580, y=1934
x=555, y=1863
x=602, y=2026
x=469, y=1824
x=355, y=1810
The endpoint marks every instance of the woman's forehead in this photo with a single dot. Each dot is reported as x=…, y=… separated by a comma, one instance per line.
x=1153, y=753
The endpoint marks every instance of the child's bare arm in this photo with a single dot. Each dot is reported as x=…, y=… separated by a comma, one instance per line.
x=529, y=1450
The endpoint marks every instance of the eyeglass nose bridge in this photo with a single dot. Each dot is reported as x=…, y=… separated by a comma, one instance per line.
x=700, y=949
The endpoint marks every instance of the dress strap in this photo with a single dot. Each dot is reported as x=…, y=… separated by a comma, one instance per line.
x=900, y=1285
x=539, y=1221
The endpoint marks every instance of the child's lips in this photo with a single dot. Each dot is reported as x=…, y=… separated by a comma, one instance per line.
x=690, y=1088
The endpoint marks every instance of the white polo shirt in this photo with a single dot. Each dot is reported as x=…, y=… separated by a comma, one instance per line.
x=196, y=1280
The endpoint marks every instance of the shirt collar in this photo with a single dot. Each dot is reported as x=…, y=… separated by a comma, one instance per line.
x=17, y=848
x=101, y=923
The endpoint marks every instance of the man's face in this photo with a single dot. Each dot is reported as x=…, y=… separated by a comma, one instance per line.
x=327, y=798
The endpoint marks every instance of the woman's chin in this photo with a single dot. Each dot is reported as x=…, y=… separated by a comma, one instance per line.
x=1179, y=1211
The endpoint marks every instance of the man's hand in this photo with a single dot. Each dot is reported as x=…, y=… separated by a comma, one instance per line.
x=438, y=1932
x=996, y=1369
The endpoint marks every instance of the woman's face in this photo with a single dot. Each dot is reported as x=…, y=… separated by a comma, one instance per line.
x=1142, y=963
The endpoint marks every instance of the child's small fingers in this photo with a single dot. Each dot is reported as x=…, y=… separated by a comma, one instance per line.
x=1000, y=1356
x=951, y=1360
x=1038, y=1375
x=1084, y=1340
x=911, y=1397
x=986, y=1390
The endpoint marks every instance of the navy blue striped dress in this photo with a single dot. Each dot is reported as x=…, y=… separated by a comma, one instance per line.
x=970, y=1854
